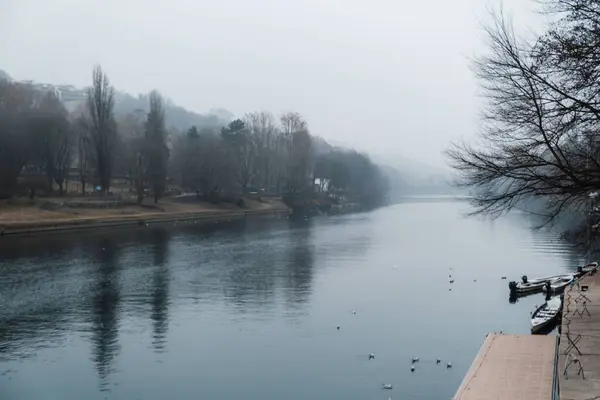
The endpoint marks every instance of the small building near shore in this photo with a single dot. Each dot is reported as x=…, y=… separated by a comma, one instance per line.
x=513, y=367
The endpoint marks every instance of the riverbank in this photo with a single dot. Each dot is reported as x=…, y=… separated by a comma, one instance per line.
x=324, y=204
x=22, y=217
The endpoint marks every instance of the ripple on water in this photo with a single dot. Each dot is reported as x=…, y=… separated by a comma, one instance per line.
x=187, y=308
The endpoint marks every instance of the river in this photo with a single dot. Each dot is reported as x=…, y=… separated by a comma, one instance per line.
x=250, y=310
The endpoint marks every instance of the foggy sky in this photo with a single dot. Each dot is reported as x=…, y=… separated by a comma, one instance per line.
x=385, y=76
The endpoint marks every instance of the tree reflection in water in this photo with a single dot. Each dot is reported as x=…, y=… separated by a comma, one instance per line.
x=104, y=309
x=160, y=290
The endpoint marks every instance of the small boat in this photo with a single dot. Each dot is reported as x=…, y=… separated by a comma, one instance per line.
x=587, y=268
x=557, y=285
x=544, y=279
x=534, y=285
x=546, y=315
x=593, y=266
x=522, y=289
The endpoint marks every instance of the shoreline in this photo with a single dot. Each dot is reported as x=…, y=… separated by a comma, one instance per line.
x=63, y=225
x=171, y=211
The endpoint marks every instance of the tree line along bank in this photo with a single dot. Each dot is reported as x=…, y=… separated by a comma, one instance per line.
x=43, y=146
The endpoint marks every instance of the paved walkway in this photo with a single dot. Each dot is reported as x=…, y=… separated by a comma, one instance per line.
x=581, y=325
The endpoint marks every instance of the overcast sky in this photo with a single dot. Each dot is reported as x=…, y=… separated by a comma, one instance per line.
x=385, y=76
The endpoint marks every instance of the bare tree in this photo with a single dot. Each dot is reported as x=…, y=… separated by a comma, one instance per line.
x=63, y=156
x=138, y=171
x=539, y=138
x=214, y=173
x=298, y=145
x=53, y=140
x=241, y=151
x=263, y=132
x=292, y=122
x=84, y=149
x=102, y=127
x=16, y=107
x=157, y=153
x=132, y=155
x=179, y=167
x=202, y=162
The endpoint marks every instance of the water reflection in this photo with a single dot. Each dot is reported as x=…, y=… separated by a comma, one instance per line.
x=160, y=290
x=300, y=268
x=104, y=308
x=90, y=280
x=256, y=300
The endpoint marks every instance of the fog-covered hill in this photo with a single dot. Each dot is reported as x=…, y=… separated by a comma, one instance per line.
x=4, y=75
x=176, y=116
x=418, y=177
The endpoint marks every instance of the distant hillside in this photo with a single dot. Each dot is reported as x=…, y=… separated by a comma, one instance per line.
x=4, y=76
x=176, y=116
x=418, y=177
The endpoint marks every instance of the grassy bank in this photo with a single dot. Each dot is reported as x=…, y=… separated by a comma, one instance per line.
x=49, y=215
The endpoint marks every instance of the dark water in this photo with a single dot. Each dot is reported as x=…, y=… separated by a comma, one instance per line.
x=250, y=311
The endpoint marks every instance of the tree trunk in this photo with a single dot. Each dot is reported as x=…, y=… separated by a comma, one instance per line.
x=49, y=183
x=139, y=179
x=130, y=176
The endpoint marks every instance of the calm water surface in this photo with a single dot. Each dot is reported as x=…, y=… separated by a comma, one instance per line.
x=250, y=310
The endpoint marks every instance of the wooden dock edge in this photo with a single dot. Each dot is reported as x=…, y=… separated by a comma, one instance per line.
x=487, y=343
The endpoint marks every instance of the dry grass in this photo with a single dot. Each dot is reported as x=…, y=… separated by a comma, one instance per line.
x=24, y=212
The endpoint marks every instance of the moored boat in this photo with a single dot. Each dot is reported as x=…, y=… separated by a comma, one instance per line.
x=557, y=285
x=593, y=266
x=546, y=315
x=587, y=268
x=528, y=286
x=522, y=289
